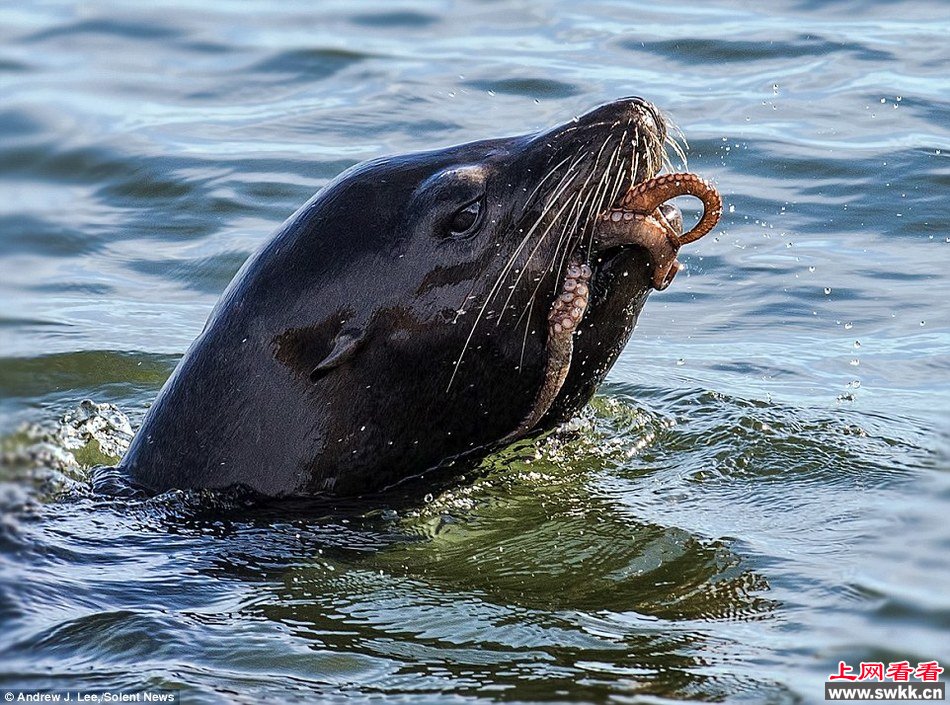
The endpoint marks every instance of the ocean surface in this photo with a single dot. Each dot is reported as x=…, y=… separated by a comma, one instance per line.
x=759, y=491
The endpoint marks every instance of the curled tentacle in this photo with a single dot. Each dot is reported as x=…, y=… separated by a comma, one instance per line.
x=647, y=196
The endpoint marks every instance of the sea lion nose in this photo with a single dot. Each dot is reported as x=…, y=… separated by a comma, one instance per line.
x=644, y=110
x=632, y=109
x=638, y=103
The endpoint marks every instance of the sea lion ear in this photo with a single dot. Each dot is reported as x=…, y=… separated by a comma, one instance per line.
x=345, y=345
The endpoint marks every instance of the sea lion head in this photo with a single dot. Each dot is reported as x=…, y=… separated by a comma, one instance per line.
x=400, y=318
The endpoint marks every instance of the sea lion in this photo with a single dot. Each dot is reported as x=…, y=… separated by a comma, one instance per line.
x=425, y=307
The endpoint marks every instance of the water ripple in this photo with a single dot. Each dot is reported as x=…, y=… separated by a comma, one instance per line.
x=759, y=491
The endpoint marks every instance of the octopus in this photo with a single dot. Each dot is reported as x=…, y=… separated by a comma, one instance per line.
x=636, y=220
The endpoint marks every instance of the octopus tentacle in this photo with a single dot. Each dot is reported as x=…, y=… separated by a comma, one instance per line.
x=647, y=196
x=564, y=318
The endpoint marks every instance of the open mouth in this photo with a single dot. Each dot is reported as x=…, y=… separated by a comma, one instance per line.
x=642, y=217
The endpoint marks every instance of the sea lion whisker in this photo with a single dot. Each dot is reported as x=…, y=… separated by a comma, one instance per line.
x=510, y=262
x=575, y=200
x=544, y=235
x=599, y=194
x=565, y=250
x=587, y=195
x=554, y=256
x=678, y=151
x=530, y=199
x=673, y=140
x=617, y=173
x=562, y=186
x=634, y=158
x=593, y=172
x=566, y=227
x=574, y=228
x=602, y=181
x=495, y=288
x=597, y=207
x=600, y=198
x=604, y=203
x=524, y=269
x=527, y=328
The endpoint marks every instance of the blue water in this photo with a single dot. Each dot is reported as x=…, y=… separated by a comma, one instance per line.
x=759, y=490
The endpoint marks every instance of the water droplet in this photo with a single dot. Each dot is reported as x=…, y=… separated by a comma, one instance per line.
x=857, y=344
x=855, y=362
x=427, y=499
x=732, y=209
x=923, y=323
x=812, y=268
x=827, y=290
x=854, y=384
x=849, y=325
x=680, y=362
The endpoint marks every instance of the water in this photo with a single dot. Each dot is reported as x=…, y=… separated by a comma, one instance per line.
x=759, y=491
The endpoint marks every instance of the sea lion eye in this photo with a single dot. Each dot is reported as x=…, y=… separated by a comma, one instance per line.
x=465, y=219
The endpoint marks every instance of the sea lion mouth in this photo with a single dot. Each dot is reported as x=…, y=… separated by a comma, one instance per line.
x=640, y=216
